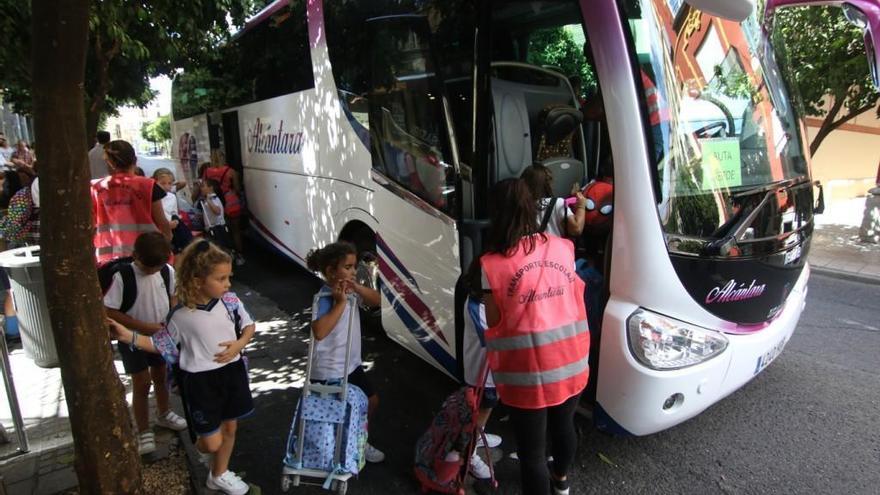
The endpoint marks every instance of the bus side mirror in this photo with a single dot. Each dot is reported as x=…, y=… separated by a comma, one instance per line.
x=819, y=208
x=868, y=20
x=734, y=10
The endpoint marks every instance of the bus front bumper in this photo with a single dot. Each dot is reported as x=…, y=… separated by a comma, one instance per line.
x=637, y=400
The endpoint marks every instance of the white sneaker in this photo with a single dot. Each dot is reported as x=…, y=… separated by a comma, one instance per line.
x=492, y=440
x=146, y=442
x=478, y=468
x=171, y=421
x=228, y=483
x=372, y=454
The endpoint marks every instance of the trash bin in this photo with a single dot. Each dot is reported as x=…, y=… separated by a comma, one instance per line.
x=870, y=229
x=29, y=293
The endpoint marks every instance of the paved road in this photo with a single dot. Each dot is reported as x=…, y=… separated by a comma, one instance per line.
x=809, y=423
x=151, y=163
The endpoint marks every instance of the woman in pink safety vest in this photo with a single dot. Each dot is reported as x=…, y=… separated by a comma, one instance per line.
x=538, y=341
x=124, y=205
x=230, y=185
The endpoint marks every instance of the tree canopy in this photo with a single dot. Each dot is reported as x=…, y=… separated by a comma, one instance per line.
x=824, y=58
x=129, y=42
x=157, y=131
x=556, y=48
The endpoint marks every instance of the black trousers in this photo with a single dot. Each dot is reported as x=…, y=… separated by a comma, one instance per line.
x=531, y=427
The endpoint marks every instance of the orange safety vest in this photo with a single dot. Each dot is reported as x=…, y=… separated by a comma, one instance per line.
x=656, y=114
x=122, y=205
x=231, y=201
x=539, y=350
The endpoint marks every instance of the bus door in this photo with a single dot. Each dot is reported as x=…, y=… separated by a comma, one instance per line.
x=414, y=172
x=232, y=142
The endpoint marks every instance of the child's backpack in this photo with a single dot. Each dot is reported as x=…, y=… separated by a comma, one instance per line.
x=125, y=269
x=443, y=452
x=321, y=415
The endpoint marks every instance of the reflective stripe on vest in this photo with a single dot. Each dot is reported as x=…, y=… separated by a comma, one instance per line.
x=540, y=346
x=126, y=227
x=544, y=377
x=538, y=339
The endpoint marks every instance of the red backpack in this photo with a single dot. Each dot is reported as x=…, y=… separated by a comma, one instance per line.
x=443, y=452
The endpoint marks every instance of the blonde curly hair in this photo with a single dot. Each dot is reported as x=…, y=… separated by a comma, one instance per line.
x=196, y=262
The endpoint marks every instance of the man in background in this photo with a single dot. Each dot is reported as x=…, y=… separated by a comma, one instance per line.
x=97, y=165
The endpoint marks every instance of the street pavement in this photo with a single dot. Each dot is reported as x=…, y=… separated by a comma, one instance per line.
x=150, y=163
x=808, y=423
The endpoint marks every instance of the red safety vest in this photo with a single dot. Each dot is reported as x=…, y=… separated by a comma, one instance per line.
x=232, y=203
x=539, y=350
x=656, y=114
x=123, y=209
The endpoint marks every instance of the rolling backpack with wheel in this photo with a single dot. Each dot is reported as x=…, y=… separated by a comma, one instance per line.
x=328, y=435
x=321, y=414
x=443, y=452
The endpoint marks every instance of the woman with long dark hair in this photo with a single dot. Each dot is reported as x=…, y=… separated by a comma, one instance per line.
x=538, y=341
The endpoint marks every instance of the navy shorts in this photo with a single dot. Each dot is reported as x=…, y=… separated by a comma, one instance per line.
x=4, y=280
x=215, y=396
x=489, y=399
x=135, y=361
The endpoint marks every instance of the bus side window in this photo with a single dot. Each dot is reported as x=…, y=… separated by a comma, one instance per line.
x=406, y=121
x=274, y=56
x=348, y=47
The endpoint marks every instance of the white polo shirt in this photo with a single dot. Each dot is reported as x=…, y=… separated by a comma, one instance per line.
x=169, y=204
x=558, y=218
x=329, y=362
x=200, y=331
x=211, y=219
x=151, y=304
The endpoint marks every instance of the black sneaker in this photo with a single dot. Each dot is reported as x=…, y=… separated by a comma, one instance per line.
x=560, y=487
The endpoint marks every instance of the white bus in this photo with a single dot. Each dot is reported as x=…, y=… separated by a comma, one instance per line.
x=385, y=122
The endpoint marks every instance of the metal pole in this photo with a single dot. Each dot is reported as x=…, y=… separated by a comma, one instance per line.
x=13, y=398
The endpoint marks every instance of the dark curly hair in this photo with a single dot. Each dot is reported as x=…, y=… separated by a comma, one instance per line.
x=320, y=260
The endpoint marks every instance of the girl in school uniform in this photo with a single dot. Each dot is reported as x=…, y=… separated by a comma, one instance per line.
x=211, y=328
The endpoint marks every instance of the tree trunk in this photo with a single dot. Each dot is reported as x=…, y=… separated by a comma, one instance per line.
x=106, y=458
x=96, y=108
x=829, y=124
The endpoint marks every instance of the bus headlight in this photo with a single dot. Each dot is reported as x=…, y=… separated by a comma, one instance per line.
x=664, y=343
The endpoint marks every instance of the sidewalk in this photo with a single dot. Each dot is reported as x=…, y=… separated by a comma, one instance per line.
x=836, y=250
x=47, y=468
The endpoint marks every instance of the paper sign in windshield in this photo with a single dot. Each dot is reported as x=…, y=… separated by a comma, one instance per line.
x=721, y=163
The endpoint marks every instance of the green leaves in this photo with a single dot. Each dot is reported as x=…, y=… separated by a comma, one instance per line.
x=129, y=41
x=822, y=56
x=157, y=131
x=557, y=48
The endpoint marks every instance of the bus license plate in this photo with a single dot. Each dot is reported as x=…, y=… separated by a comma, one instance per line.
x=765, y=359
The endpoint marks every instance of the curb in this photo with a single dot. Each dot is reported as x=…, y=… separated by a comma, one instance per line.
x=198, y=474
x=842, y=275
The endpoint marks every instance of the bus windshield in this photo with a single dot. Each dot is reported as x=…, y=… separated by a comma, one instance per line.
x=723, y=132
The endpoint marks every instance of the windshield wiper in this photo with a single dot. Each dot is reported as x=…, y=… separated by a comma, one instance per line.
x=772, y=186
x=725, y=244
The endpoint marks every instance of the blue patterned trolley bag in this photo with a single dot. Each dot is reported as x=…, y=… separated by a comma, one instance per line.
x=321, y=415
x=328, y=435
